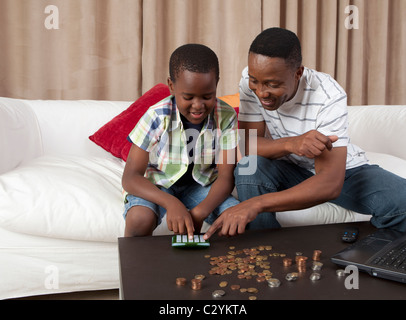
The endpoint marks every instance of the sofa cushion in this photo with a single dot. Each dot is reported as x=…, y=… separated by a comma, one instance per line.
x=113, y=135
x=66, y=197
x=20, y=137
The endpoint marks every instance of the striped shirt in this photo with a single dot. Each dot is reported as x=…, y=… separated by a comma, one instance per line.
x=161, y=133
x=319, y=104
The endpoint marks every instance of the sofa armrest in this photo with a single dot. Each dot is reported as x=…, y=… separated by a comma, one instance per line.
x=67, y=124
x=379, y=129
x=20, y=138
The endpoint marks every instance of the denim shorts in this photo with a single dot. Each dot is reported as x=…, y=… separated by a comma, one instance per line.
x=190, y=195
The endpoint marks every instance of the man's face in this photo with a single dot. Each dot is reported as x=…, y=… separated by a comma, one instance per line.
x=272, y=80
x=195, y=94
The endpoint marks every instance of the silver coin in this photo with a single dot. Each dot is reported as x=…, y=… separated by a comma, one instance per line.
x=218, y=293
x=315, y=276
x=317, y=265
x=340, y=273
x=274, y=283
x=291, y=276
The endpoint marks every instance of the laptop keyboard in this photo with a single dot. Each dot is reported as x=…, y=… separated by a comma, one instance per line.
x=394, y=258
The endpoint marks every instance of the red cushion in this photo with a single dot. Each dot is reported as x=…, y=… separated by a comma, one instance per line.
x=112, y=137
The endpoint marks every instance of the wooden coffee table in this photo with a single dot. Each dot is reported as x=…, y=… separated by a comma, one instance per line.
x=149, y=267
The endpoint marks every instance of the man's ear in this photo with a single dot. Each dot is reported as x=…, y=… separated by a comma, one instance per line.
x=299, y=72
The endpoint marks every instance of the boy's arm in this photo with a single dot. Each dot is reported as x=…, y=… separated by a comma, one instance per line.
x=135, y=183
x=220, y=189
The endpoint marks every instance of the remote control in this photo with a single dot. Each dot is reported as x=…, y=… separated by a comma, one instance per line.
x=350, y=234
x=183, y=241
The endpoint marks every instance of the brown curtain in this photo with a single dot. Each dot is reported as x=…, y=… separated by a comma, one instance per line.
x=118, y=49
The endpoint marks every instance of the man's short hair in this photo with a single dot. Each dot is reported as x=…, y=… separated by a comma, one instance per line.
x=194, y=58
x=278, y=43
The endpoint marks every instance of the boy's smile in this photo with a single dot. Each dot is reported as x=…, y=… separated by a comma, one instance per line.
x=195, y=94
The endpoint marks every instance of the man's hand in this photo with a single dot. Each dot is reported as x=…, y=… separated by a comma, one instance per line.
x=311, y=144
x=234, y=220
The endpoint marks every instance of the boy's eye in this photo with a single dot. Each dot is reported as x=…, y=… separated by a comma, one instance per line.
x=187, y=97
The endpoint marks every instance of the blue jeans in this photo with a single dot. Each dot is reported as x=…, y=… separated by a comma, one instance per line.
x=190, y=195
x=367, y=189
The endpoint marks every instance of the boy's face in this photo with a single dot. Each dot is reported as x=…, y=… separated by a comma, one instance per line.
x=195, y=94
x=272, y=80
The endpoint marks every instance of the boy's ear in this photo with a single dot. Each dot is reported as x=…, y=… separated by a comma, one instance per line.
x=170, y=85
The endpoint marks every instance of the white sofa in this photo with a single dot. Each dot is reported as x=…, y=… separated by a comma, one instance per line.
x=61, y=197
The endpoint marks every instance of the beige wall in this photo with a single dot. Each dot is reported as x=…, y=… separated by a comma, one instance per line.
x=118, y=49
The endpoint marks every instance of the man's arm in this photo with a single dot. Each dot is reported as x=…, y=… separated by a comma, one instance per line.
x=310, y=145
x=325, y=185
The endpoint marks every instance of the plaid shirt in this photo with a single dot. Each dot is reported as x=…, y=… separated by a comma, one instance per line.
x=160, y=132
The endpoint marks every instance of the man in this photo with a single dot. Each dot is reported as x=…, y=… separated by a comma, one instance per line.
x=303, y=154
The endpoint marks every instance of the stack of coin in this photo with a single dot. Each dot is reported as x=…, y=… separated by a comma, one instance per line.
x=196, y=284
x=287, y=262
x=316, y=255
x=292, y=276
x=274, y=283
x=180, y=281
x=316, y=266
x=301, y=263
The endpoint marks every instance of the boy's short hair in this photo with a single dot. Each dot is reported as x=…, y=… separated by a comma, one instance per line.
x=194, y=58
x=278, y=43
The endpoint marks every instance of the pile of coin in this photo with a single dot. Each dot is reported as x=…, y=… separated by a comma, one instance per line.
x=292, y=276
x=181, y=281
x=316, y=255
x=274, y=283
x=301, y=263
x=253, y=263
x=287, y=262
x=196, y=284
x=317, y=265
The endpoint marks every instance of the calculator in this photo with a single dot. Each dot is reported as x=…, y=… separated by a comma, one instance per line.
x=183, y=241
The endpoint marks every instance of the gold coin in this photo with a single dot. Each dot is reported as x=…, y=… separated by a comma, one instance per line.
x=252, y=297
x=223, y=284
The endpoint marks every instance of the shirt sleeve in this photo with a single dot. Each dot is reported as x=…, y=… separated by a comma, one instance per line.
x=146, y=132
x=333, y=120
x=228, y=127
x=249, y=104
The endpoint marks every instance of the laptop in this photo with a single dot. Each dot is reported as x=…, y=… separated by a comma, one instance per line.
x=381, y=254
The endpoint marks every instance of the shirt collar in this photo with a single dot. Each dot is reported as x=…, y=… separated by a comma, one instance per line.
x=176, y=120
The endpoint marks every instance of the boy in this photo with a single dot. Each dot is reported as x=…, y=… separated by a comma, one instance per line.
x=171, y=167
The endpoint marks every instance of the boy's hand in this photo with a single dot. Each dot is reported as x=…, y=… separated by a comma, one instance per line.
x=179, y=220
x=198, y=217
